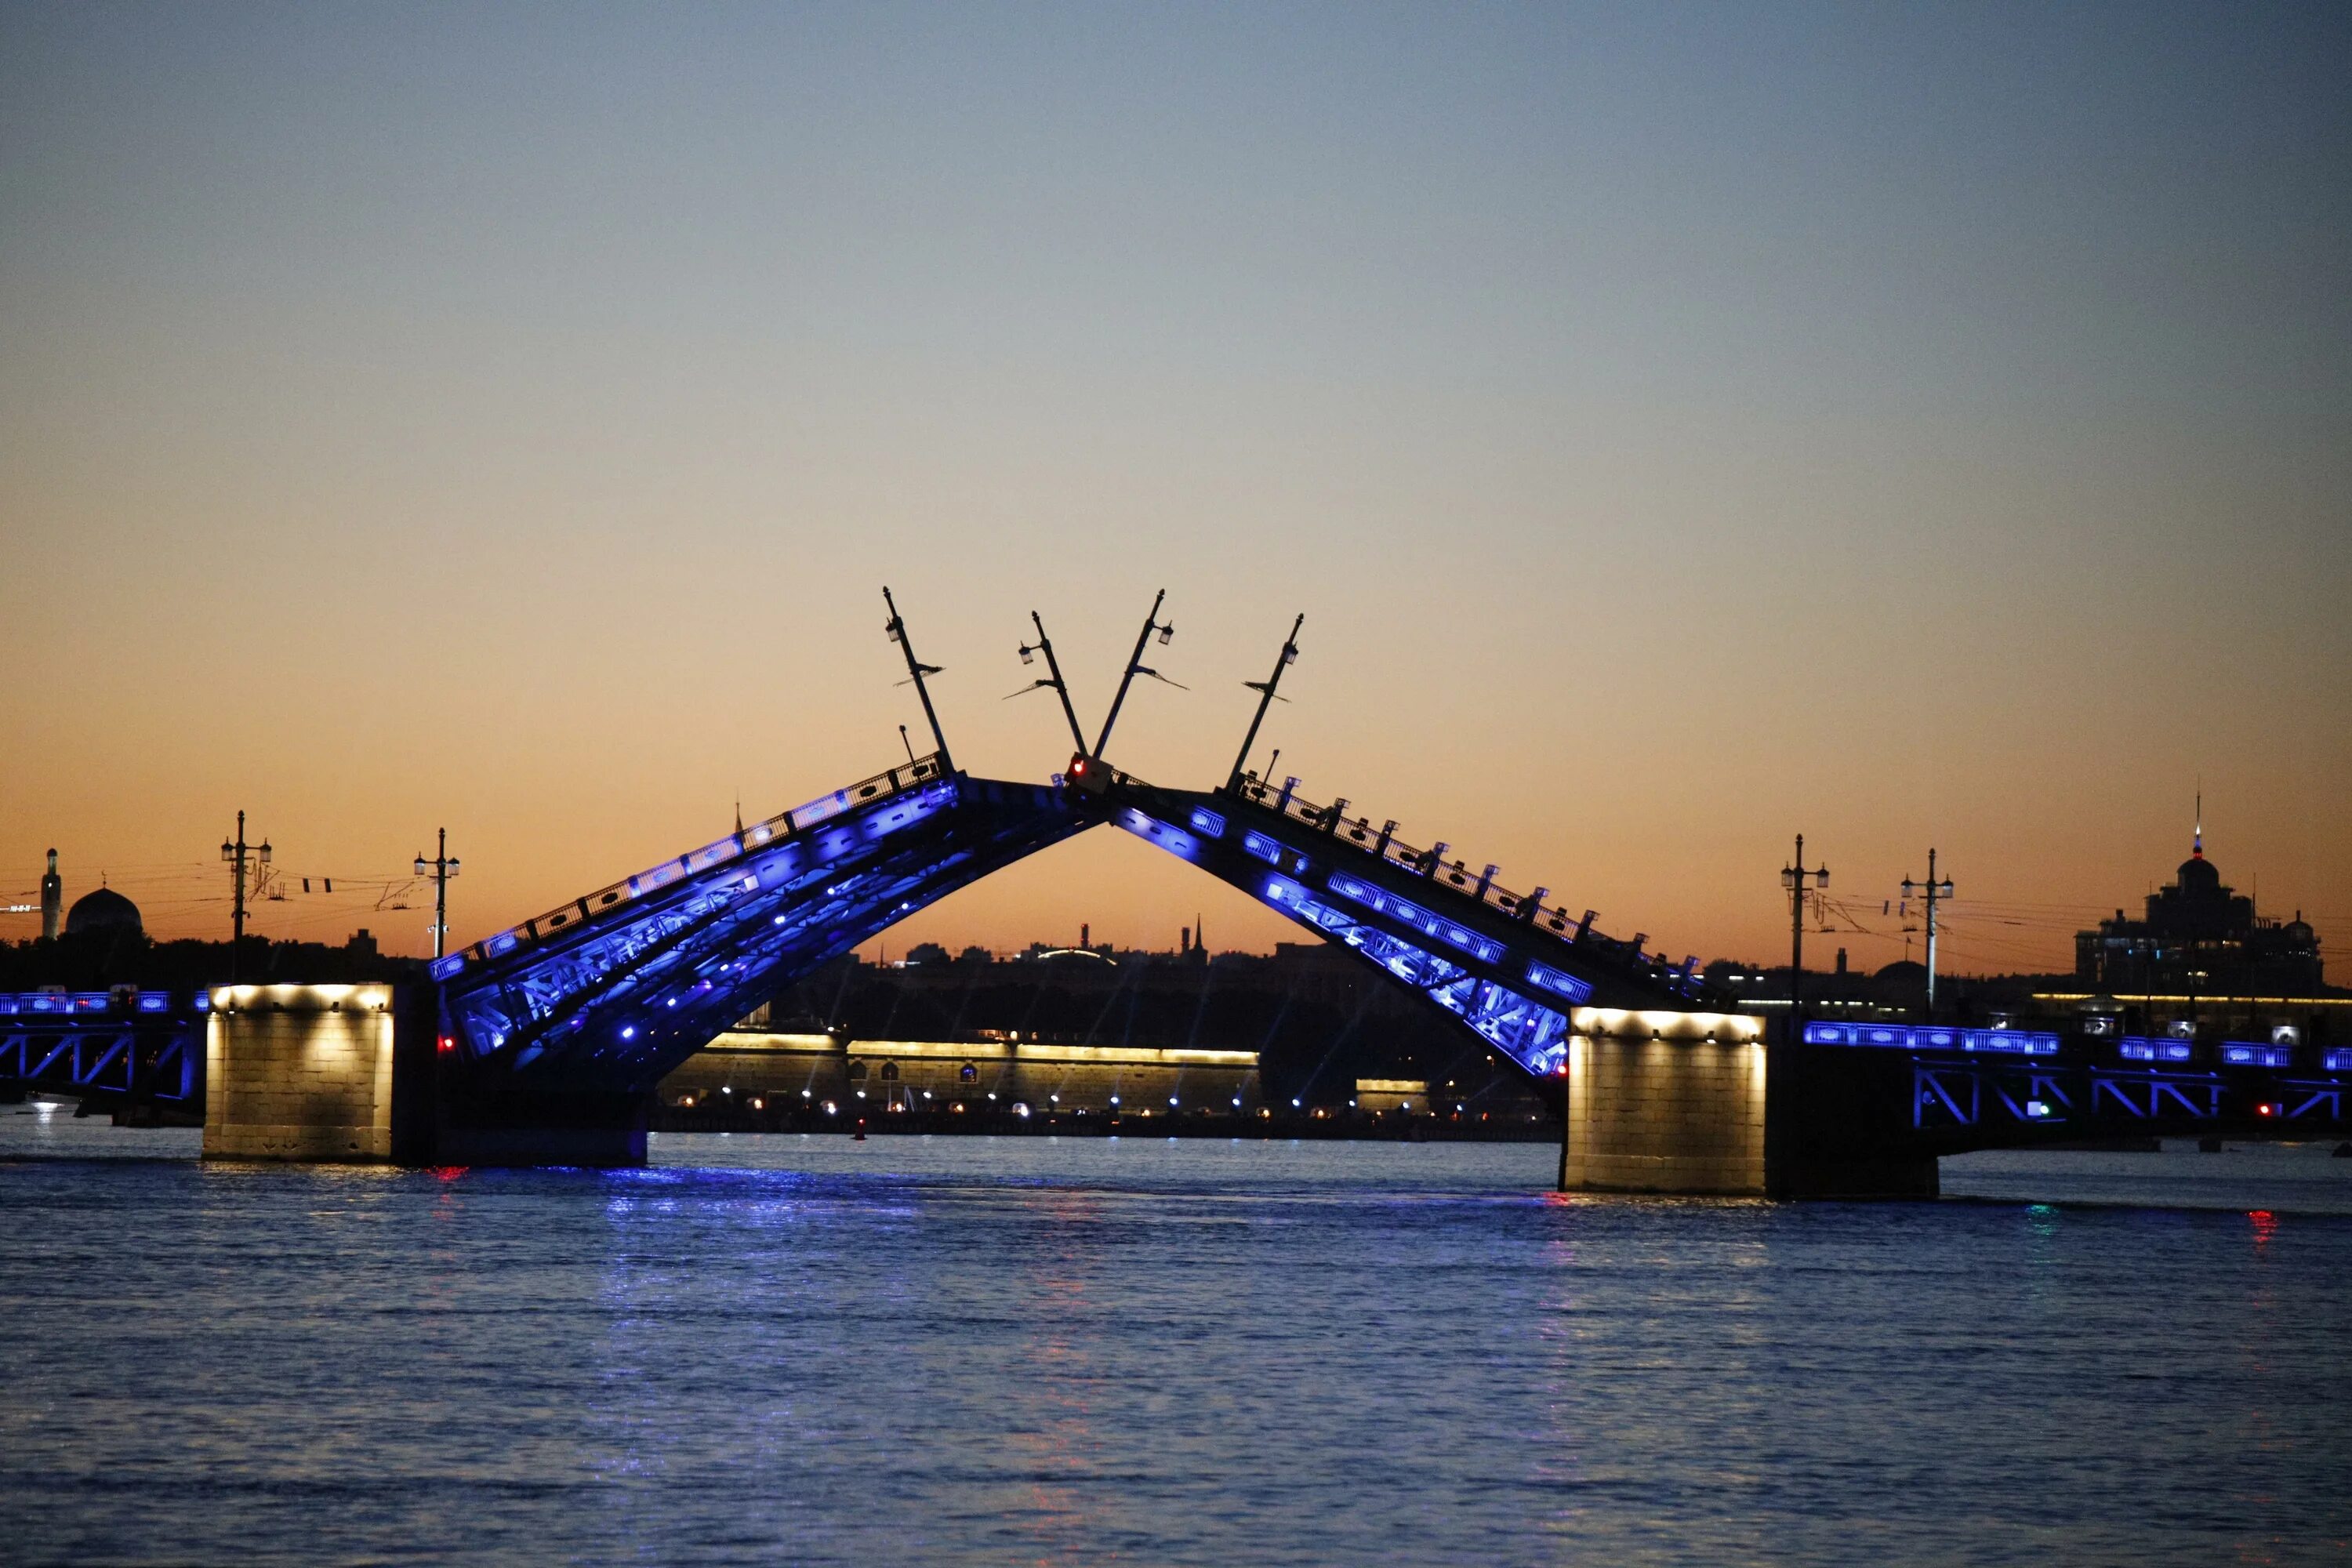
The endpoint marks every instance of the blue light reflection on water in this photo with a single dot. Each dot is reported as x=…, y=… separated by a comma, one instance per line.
x=971, y=1350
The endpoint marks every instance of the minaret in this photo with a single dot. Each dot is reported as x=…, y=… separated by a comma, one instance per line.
x=2197, y=840
x=52, y=898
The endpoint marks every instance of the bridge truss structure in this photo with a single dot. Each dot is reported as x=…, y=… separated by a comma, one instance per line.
x=608, y=993
x=126, y=1049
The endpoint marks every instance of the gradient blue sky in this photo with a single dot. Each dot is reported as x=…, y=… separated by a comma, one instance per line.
x=1683, y=427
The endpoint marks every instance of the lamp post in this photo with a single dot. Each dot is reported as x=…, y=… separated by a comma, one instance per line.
x=240, y=857
x=1264, y=690
x=1935, y=893
x=441, y=867
x=1802, y=883
x=1784, y=1064
x=1051, y=678
x=1135, y=667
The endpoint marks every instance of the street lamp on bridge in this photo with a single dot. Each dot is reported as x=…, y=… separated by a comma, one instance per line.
x=1802, y=883
x=241, y=858
x=441, y=867
x=1935, y=893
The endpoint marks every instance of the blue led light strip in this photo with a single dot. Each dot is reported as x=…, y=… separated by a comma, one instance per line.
x=1918, y=1038
x=1534, y=1035
x=1529, y=910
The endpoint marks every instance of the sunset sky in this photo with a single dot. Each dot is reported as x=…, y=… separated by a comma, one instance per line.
x=1681, y=427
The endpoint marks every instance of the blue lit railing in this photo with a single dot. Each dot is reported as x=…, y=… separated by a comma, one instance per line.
x=1934, y=1037
x=125, y=1041
x=1528, y=910
x=2246, y=1054
x=2337, y=1061
x=63, y=1005
x=801, y=820
x=2160, y=1048
x=1534, y=1035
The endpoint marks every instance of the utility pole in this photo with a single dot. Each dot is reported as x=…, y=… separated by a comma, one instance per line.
x=1800, y=882
x=240, y=858
x=1936, y=892
x=441, y=867
x=915, y=669
x=1264, y=689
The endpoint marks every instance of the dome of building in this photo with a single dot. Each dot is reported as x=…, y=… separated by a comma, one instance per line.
x=103, y=909
x=2196, y=875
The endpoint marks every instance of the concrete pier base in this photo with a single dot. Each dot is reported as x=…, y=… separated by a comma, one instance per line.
x=1665, y=1102
x=1694, y=1104
x=352, y=1075
x=300, y=1072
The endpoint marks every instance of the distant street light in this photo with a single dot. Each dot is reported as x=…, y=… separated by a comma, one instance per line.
x=1802, y=883
x=240, y=857
x=1934, y=892
x=441, y=867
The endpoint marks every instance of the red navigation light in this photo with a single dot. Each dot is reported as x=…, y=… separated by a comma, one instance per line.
x=447, y=1043
x=2266, y=1108
x=1077, y=767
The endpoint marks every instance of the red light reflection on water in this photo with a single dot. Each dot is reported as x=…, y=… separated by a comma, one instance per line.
x=2265, y=1222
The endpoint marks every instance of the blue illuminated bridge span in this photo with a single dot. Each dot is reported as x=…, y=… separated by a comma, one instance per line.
x=608, y=994
x=543, y=1043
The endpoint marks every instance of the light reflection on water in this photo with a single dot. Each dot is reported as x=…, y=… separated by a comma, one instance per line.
x=969, y=1350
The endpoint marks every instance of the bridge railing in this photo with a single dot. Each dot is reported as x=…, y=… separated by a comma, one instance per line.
x=785, y=825
x=1528, y=909
x=122, y=1001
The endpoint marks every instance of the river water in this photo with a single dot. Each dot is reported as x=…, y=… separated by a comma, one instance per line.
x=805, y=1349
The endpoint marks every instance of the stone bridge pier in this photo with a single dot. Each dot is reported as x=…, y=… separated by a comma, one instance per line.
x=355, y=1075
x=1699, y=1103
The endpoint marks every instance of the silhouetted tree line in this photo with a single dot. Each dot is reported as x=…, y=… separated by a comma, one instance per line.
x=94, y=959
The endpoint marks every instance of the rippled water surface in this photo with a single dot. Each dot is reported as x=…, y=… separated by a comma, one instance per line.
x=805, y=1349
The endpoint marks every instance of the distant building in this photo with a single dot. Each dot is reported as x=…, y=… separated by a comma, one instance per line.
x=2199, y=938
x=882, y=1076
x=52, y=898
x=103, y=909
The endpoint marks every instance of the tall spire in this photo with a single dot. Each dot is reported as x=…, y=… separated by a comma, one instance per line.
x=2197, y=842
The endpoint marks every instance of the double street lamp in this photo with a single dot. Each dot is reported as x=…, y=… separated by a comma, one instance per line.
x=241, y=858
x=441, y=867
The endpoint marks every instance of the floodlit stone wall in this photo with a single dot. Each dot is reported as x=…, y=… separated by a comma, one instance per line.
x=299, y=1072
x=1665, y=1102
